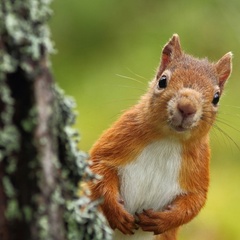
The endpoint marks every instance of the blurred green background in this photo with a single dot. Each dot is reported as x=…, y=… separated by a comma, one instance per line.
x=108, y=50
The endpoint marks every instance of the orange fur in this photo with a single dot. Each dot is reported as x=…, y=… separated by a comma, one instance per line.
x=169, y=235
x=149, y=121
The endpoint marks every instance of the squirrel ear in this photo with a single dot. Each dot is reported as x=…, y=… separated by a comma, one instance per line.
x=224, y=68
x=170, y=51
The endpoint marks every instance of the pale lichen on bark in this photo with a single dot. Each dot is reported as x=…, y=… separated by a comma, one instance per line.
x=40, y=164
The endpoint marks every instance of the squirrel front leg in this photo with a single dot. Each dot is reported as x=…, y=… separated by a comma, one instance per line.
x=183, y=209
x=112, y=205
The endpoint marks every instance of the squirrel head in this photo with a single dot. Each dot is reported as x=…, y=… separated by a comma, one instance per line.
x=183, y=97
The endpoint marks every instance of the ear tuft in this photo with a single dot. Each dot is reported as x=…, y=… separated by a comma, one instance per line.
x=171, y=50
x=224, y=68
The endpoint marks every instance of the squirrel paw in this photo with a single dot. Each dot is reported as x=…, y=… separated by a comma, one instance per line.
x=122, y=220
x=156, y=222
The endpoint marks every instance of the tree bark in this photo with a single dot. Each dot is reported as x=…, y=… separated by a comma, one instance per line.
x=40, y=164
x=46, y=145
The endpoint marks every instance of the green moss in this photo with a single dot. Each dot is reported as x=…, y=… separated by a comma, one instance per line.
x=9, y=189
x=8, y=63
x=13, y=210
x=24, y=25
x=30, y=121
x=8, y=133
x=28, y=213
x=44, y=227
x=83, y=219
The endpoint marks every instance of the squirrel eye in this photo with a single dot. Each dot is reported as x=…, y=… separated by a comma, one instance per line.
x=216, y=98
x=162, y=82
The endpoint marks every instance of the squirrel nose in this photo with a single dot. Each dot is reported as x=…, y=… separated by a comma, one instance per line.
x=186, y=109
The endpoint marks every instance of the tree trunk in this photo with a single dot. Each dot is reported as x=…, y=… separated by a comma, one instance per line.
x=40, y=165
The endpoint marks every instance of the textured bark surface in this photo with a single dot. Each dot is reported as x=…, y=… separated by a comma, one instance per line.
x=40, y=164
x=46, y=146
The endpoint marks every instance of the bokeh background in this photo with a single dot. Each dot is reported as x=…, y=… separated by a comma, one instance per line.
x=108, y=50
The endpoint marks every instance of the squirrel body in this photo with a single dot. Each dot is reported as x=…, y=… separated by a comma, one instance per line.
x=154, y=160
x=154, y=173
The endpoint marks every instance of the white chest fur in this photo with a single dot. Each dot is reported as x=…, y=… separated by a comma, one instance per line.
x=151, y=180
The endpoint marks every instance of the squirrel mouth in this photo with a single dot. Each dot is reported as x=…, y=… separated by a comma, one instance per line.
x=179, y=128
x=179, y=124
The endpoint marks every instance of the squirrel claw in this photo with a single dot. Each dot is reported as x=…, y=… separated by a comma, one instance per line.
x=121, y=201
x=168, y=208
x=137, y=221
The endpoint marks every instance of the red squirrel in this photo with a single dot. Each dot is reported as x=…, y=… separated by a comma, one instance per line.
x=154, y=160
